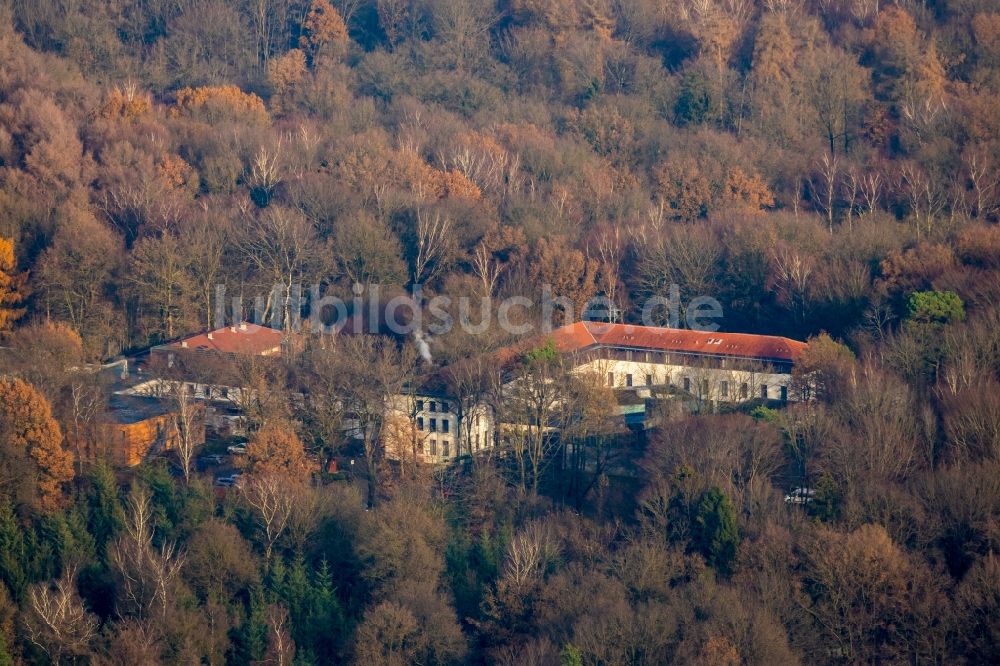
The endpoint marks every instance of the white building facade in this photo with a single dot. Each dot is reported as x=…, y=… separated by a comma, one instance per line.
x=719, y=367
x=432, y=428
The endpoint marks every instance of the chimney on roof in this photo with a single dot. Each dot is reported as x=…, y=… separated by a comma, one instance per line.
x=184, y=344
x=232, y=329
x=210, y=336
x=243, y=326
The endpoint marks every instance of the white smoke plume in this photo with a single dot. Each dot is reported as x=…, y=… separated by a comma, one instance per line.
x=423, y=348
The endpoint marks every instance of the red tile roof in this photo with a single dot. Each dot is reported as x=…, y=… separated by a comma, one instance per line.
x=583, y=334
x=244, y=339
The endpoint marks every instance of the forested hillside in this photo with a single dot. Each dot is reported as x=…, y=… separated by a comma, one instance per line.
x=827, y=170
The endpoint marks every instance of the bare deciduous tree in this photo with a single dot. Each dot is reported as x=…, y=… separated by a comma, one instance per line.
x=372, y=372
x=527, y=554
x=851, y=188
x=147, y=574
x=348, y=8
x=187, y=417
x=282, y=245
x=824, y=186
x=540, y=402
x=86, y=400
x=923, y=195
x=985, y=180
x=272, y=497
x=610, y=252
x=792, y=278
x=280, y=646
x=487, y=268
x=870, y=185
x=56, y=619
x=433, y=245
x=264, y=174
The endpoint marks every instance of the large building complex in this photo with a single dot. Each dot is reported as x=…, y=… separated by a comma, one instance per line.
x=724, y=367
x=430, y=425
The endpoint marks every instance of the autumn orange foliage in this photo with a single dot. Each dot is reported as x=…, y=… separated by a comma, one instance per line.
x=568, y=272
x=12, y=286
x=681, y=185
x=748, y=192
x=455, y=185
x=323, y=30
x=430, y=183
x=26, y=424
x=275, y=448
x=284, y=74
x=915, y=268
x=176, y=173
x=214, y=103
x=126, y=103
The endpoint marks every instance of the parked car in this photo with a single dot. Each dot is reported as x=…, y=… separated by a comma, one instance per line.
x=237, y=449
x=799, y=496
x=214, y=459
x=230, y=480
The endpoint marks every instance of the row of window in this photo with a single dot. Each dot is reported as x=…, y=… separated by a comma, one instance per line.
x=628, y=380
x=433, y=447
x=680, y=358
x=723, y=387
x=433, y=406
x=445, y=424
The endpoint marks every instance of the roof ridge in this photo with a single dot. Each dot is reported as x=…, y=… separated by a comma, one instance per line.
x=751, y=345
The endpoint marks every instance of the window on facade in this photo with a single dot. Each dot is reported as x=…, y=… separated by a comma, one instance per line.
x=420, y=423
x=724, y=389
x=784, y=393
x=611, y=379
x=477, y=441
x=444, y=407
x=434, y=425
x=628, y=355
x=446, y=445
x=628, y=380
x=704, y=387
x=445, y=425
x=687, y=384
x=763, y=391
x=434, y=406
x=420, y=405
x=434, y=447
x=744, y=390
x=649, y=380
